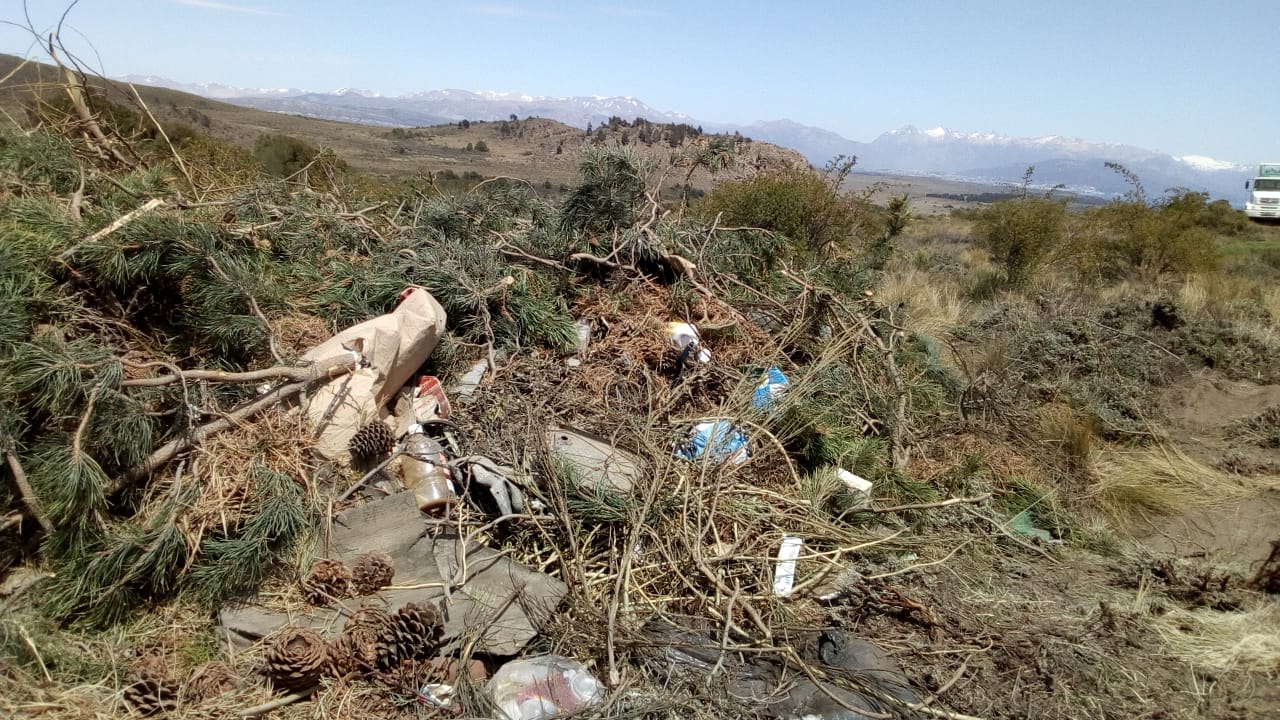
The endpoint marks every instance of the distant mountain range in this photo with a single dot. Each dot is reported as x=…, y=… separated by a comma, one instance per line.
x=981, y=157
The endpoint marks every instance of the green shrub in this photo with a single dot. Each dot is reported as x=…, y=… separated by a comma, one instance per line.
x=799, y=204
x=1135, y=238
x=1023, y=235
x=282, y=155
x=612, y=188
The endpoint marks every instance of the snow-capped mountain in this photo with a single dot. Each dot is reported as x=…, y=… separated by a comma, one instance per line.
x=422, y=108
x=980, y=156
x=1200, y=162
x=991, y=157
x=212, y=90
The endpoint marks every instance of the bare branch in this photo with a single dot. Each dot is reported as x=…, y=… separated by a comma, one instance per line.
x=25, y=492
x=171, y=449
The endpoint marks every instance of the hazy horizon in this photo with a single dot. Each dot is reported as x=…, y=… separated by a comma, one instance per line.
x=1169, y=76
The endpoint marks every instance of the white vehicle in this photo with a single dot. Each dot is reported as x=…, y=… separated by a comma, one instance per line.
x=1264, y=195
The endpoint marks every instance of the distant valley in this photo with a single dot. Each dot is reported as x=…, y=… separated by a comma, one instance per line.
x=968, y=157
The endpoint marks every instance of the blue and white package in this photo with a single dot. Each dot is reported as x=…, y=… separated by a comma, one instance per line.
x=769, y=389
x=720, y=441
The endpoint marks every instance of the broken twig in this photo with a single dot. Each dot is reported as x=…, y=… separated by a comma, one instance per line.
x=25, y=492
x=119, y=222
x=928, y=506
x=278, y=703
x=170, y=450
x=287, y=372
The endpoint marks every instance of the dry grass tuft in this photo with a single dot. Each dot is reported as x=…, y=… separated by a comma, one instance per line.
x=1144, y=484
x=1070, y=431
x=223, y=467
x=1224, y=641
x=932, y=304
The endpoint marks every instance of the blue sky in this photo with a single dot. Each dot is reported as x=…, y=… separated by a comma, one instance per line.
x=1189, y=77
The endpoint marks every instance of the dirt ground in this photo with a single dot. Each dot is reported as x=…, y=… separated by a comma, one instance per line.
x=1003, y=633
x=1201, y=410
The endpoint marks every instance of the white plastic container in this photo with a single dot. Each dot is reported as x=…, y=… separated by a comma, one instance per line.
x=784, y=575
x=684, y=335
x=544, y=686
x=855, y=483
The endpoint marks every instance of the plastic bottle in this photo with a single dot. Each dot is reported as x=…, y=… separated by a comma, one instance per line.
x=543, y=687
x=424, y=471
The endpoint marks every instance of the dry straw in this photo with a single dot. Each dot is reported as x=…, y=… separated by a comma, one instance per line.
x=1248, y=640
x=1145, y=484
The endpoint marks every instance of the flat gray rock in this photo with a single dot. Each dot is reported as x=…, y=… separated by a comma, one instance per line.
x=593, y=460
x=499, y=603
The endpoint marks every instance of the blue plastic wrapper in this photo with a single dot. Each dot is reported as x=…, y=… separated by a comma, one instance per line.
x=769, y=389
x=720, y=441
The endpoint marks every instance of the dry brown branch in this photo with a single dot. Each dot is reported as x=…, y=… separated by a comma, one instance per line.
x=1005, y=531
x=928, y=506
x=75, y=90
x=17, y=69
x=278, y=703
x=287, y=372
x=603, y=262
x=369, y=475
x=10, y=520
x=78, y=438
x=77, y=198
x=325, y=368
x=512, y=251
x=25, y=492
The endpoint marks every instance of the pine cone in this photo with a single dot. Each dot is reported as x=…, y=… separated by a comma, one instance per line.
x=211, y=680
x=356, y=649
x=297, y=658
x=328, y=580
x=414, y=632
x=373, y=439
x=373, y=571
x=153, y=690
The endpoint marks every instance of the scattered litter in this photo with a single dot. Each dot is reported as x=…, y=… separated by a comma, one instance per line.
x=1023, y=525
x=582, y=330
x=440, y=696
x=772, y=689
x=497, y=480
x=593, y=461
x=544, y=686
x=784, y=576
x=420, y=404
x=573, y=362
x=858, y=484
x=443, y=695
x=470, y=380
x=429, y=388
x=393, y=347
x=720, y=441
x=770, y=389
x=425, y=470
x=685, y=340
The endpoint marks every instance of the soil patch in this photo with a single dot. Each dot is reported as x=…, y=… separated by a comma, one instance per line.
x=1202, y=410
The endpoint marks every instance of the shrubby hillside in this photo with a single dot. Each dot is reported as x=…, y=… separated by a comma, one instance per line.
x=1052, y=406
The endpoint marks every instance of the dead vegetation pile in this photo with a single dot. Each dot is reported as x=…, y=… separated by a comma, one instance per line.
x=162, y=472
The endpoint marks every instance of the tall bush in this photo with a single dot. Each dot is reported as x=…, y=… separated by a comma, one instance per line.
x=1136, y=238
x=799, y=204
x=1023, y=235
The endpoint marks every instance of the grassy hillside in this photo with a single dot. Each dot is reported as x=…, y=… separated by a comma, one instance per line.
x=542, y=152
